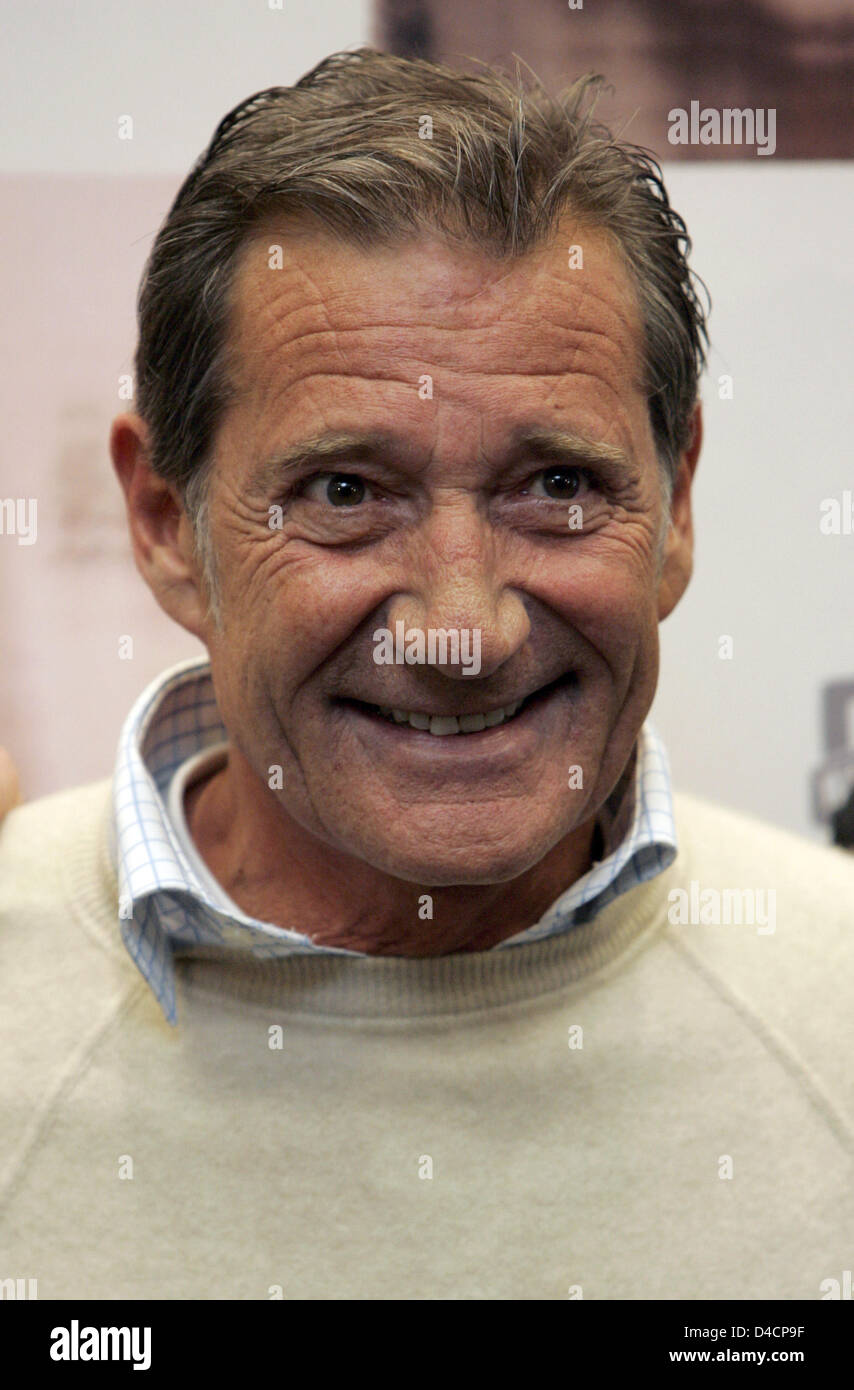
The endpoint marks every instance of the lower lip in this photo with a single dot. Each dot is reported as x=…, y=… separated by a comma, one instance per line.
x=512, y=741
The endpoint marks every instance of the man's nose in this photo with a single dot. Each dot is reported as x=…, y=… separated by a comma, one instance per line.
x=456, y=585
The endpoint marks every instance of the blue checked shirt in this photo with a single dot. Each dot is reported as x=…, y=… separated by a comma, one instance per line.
x=169, y=905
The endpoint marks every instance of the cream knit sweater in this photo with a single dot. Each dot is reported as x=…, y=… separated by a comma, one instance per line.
x=633, y=1109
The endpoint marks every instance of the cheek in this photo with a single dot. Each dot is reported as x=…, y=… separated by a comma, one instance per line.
x=288, y=612
x=607, y=594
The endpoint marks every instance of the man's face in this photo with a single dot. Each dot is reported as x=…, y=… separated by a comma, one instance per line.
x=455, y=372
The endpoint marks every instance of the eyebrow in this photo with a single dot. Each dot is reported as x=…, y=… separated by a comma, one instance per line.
x=348, y=447
x=568, y=446
x=336, y=447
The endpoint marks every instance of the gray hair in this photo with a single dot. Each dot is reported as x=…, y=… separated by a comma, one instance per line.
x=344, y=146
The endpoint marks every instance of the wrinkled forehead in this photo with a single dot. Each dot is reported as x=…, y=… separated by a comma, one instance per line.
x=299, y=289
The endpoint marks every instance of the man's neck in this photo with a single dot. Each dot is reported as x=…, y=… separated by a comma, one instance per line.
x=276, y=871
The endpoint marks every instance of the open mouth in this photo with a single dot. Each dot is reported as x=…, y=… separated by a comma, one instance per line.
x=443, y=725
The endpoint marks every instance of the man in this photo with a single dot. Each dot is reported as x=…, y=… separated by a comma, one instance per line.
x=383, y=967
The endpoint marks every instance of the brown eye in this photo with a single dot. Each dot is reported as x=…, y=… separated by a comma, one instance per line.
x=344, y=490
x=339, y=489
x=561, y=483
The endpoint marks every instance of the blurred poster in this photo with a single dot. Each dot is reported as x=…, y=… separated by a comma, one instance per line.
x=676, y=66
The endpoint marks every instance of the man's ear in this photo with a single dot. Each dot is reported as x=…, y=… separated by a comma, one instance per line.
x=678, y=555
x=161, y=533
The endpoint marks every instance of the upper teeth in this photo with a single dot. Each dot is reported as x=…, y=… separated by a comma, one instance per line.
x=441, y=724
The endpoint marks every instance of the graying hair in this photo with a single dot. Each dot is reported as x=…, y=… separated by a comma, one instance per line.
x=342, y=147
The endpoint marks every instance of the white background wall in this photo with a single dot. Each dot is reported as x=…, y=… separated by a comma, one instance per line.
x=68, y=71
x=773, y=245
x=771, y=241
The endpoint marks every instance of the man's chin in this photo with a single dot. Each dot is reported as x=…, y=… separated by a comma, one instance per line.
x=449, y=859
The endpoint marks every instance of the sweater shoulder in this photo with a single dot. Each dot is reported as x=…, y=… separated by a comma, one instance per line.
x=754, y=853
x=41, y=840
x=57, y=884
x=765, y=917
x=29, y=829
x=64, y=973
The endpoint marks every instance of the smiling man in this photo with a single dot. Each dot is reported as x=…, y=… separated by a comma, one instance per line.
x=402, y=976
x=450, y=513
